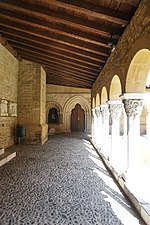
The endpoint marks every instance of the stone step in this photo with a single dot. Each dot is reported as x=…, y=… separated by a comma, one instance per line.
x=1, y=151
x=7, y=156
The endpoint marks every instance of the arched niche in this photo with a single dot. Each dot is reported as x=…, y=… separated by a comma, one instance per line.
x=138, y=72
x=104, y=95
x=97, y=99
x=57, y=106
x=115, y=88
x=69, y=105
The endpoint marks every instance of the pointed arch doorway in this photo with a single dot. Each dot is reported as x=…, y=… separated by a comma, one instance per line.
x=77, y=119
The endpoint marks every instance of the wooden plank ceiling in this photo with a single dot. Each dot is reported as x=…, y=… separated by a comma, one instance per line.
x=69, y=38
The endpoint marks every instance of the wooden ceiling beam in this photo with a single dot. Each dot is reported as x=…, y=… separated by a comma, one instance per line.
x=4, y=42
x=71, y=80
x=69, y=71
x=53, y=36
x=53, y=62
x=130, y=2
x=62, y=76
x=62, y=29
x=36, y=9
x=68, y=84
x=40, y=50
x=57, y=35
x=82, y=77
x=7, y=24
x=87, y=9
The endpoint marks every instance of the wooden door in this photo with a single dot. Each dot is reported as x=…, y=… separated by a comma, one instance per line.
x=77, y=119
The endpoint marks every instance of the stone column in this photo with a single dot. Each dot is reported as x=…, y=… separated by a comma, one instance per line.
x=99, y=126
x=147, y=101
x=115, y=108
x=105, y=128
x=93, y=125
x=133, y=104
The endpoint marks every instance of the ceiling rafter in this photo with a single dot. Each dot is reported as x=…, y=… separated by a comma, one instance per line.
x=50, y=15
x=69, y=71
x=57, y=28
x=68, y=38
x=58, y=37
x=54, y=62
x=40, y=50
x=61, y=75
x=83, y=77
x=84, y=8
x=72, y=81
x=54, y=46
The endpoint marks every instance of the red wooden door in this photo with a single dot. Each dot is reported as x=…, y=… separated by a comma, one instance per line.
x=77, y=119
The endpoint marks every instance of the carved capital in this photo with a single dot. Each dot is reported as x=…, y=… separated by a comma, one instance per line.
x=104, y=110
x=115, y=110
x=133, y=107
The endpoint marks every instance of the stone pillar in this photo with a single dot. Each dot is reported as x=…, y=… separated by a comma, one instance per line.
x=133, y=104
x=148, y=125
x=115, y=108
x=147, y=101
x=94, y=118
x=105, y=128
x=99, y=126
x=32, y=102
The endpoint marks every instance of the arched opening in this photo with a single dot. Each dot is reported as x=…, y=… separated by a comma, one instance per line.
x=53, y=116
x=138, y=72
x=138, y=81
x=104, y=96
x=77, y=119
x=70, y=104
x=93, y=103
x=97, y=100
x=115, y=88
x=114, y=94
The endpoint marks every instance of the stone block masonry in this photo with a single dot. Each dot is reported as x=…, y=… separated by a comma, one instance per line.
x=32, y=102
x=8, y=92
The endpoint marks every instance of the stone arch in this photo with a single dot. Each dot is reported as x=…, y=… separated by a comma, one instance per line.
x=50, y=105
x=137, y=76
x=115, y=88
x=138, y=72
x=97, y=99
x=69, y=105
x=104, y=95
x=93, y=103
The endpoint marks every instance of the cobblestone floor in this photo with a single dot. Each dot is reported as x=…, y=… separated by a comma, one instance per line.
x=63, y=182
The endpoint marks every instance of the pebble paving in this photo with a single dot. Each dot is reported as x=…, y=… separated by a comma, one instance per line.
x=58, y=184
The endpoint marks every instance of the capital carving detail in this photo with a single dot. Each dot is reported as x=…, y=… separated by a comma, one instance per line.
x=97, y=111
x=104, y=111
x=133, y=107
x=115, y=110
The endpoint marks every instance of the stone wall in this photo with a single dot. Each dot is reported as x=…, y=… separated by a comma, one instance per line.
x=8, y=92
x=59, y=97
x=135, y=37
x=32, y=101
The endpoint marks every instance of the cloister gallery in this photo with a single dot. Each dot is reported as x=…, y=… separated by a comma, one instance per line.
x=61, y=78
